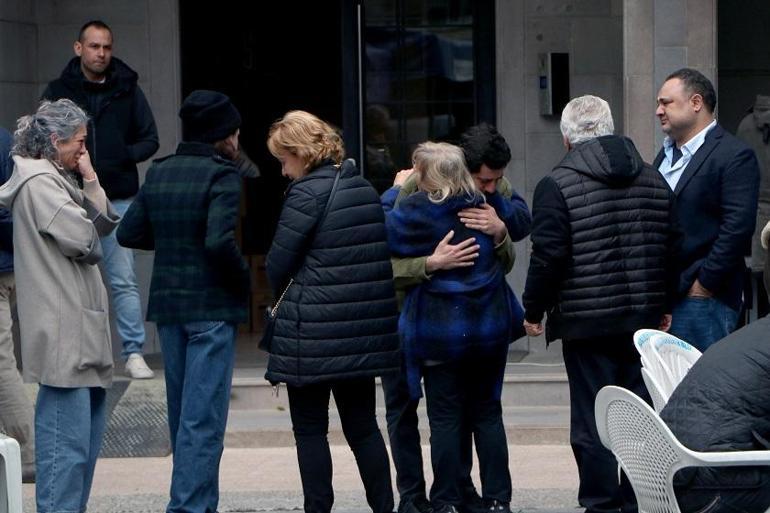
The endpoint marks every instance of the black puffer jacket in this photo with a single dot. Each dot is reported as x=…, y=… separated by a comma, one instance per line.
x=723, y=404
x=122, y=130
x=339, y=318
x=601, y=236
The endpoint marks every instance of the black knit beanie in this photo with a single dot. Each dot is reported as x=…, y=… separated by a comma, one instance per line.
x=208, y=116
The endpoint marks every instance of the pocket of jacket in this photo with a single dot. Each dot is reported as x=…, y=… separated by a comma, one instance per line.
x=95, y=350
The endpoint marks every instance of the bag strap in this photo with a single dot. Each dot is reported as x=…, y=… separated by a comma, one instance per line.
x=331, y=197
x=320, y=221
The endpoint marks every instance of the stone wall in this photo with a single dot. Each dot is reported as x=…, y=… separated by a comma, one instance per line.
x=18, y=60
x=660, y=37
x=591, y=31
x=36, y=39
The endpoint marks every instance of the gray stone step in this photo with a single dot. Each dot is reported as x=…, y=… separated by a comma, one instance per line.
x=523, y=385
x=524, y=425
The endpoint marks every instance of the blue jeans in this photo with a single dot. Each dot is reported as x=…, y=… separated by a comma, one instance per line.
x=702, y=321
x=119, y=266
x=198, y=359
x=69, y=424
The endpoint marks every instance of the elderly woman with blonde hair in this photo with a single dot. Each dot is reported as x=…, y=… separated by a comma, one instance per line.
x=62, y=302
x=455, y=328
x=336, y=320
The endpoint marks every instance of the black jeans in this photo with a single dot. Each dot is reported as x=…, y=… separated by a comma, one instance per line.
x=355, y=399
x=404, y=434
x=464, y=397
x=592, y=364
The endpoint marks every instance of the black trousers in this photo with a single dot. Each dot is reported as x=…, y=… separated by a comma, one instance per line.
x=355, y=399
x=462, y=396
x=405, y=446
x=592, y=364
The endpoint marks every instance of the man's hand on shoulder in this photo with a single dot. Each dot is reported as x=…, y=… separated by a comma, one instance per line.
x=484, y=218
x=451, y=256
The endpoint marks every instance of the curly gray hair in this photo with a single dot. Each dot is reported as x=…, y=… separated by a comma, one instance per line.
x=36, y=135
x=586, y=117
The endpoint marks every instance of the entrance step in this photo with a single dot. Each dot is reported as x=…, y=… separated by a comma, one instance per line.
x=535, y=409
x=524, y=425
x=524, y=385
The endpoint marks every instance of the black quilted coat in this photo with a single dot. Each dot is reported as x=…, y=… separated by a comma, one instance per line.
x=723, y=404
x=339, y=318
x=602, y=238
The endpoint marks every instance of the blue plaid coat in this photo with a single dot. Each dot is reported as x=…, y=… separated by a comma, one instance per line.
x=457, y=313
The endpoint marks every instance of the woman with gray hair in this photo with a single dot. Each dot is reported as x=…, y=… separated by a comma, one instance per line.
x=62, y=302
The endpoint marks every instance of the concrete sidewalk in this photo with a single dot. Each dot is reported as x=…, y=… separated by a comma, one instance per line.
x=267, y=479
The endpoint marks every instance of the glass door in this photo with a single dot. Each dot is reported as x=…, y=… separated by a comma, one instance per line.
x=425, y=72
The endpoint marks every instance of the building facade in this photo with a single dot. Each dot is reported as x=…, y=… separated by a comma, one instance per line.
x=390, y=73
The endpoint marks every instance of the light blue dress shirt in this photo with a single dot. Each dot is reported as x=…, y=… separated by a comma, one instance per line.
x=672, y=174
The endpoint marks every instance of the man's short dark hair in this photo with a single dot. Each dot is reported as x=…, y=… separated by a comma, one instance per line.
x=696, y=83
x=93, y=23
x=483, y=144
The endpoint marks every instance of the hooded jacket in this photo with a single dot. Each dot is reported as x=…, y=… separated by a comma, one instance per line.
x=62, y=303
x=122, y=130
x=602, y=237
x=339, y=318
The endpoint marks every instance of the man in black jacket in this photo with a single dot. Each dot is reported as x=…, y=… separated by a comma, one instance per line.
x=715, y=177
x=121, y=133
x=601, y=234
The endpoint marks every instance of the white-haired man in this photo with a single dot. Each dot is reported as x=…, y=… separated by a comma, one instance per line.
x=601, y=238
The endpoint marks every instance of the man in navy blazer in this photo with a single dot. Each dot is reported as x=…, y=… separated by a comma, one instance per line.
x=715, y=178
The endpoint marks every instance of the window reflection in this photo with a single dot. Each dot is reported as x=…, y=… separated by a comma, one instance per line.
x=419, y=72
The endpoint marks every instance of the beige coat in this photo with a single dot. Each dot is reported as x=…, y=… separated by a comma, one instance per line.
x=62, y=302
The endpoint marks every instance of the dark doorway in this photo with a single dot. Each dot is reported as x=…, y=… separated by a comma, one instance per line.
x=743, y=108
x=269, y=57
x=389, y=73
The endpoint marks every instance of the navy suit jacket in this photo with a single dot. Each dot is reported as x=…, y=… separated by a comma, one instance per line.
x=716, y=205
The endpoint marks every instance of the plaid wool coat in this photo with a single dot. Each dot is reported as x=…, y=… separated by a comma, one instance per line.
x=187, y=211
x=458, y=313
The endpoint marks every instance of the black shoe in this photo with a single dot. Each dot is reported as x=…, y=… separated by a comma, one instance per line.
x=495, y=506
x=418, y=504
x=28, y=473
x=446, y=508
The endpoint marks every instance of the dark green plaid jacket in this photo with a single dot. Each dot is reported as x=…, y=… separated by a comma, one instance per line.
x=187, y=211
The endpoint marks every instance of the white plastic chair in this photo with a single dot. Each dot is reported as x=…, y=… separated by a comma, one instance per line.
x=659, y=397
x=656, y=368
x=677, y=356
x=649, y=453
x=10, y=475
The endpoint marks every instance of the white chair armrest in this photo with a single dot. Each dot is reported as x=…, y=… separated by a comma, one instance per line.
x=731, y=458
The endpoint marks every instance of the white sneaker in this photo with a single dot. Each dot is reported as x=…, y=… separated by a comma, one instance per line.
x=136, y=368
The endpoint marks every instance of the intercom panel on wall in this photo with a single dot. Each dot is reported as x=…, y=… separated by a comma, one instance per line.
x=554, y=82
